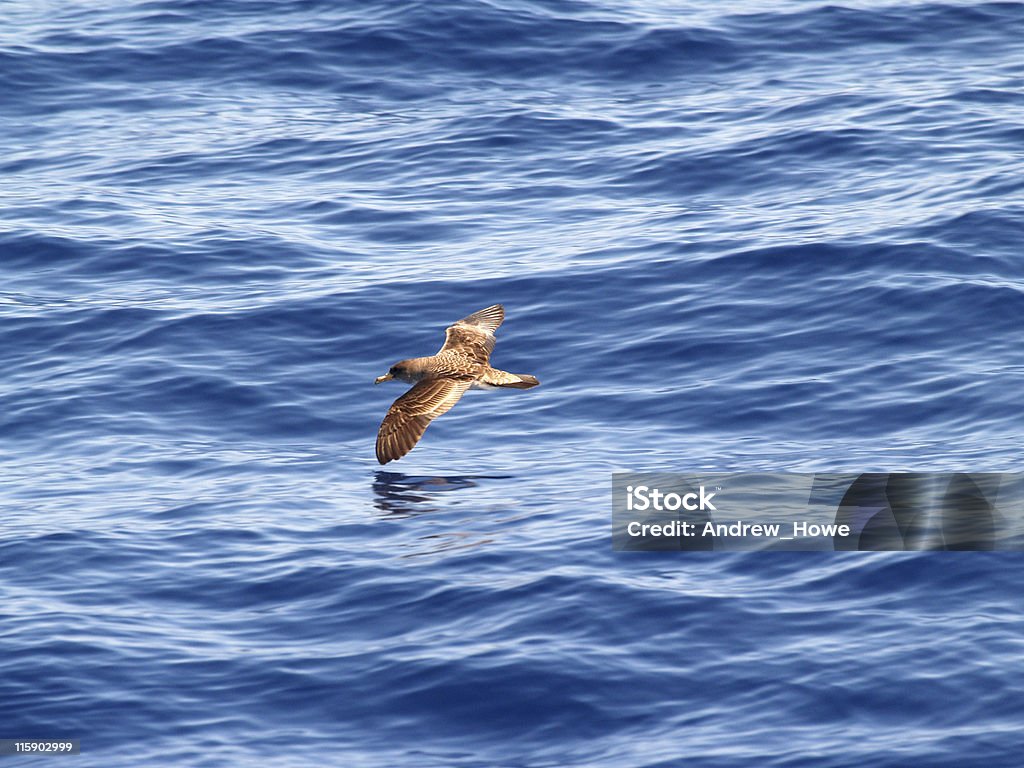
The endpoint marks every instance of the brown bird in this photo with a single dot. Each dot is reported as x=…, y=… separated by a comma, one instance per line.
x=462, y=363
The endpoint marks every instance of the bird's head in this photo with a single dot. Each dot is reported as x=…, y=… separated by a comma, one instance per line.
x=398, y=371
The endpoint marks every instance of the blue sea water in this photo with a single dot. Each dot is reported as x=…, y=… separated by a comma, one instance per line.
x=729, y=236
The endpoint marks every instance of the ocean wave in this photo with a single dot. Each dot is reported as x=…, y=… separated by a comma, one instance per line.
x=730, y=237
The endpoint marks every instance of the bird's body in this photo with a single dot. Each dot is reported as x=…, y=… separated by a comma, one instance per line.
x=440, y=380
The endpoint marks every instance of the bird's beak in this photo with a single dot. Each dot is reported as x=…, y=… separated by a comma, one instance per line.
x=385, y=377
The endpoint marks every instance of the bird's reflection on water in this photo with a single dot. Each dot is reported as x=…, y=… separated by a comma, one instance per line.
x=396, y=493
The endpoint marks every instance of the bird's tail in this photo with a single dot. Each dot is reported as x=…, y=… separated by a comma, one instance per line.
x=495, y=378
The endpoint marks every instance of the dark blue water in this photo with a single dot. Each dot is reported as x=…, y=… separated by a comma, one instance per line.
x=728, y=236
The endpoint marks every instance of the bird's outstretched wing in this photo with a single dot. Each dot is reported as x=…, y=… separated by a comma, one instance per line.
x=473, y=336
x=411, y=414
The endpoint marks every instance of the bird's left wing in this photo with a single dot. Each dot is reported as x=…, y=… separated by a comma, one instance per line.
x=411, y=414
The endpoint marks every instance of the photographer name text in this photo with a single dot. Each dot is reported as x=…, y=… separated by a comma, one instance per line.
x=677, y=528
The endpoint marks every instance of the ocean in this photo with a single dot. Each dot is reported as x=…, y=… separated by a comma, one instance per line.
x=731, y=236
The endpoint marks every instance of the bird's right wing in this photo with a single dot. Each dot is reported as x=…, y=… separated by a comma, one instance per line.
x=411, y=414
x=473, y=336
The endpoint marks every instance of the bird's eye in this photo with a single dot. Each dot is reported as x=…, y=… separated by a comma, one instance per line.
x=395, y=370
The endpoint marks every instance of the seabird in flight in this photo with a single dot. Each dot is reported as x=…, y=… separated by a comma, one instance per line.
x=440, y=380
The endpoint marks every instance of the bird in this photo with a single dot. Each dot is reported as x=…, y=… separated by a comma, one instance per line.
x=462, y=363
